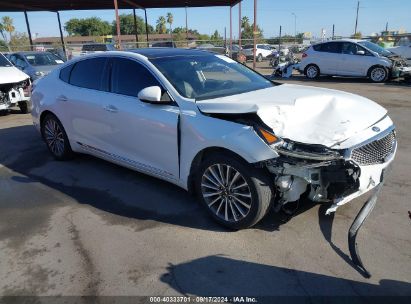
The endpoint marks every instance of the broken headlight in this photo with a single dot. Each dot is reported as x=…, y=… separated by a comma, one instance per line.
x=304, y=151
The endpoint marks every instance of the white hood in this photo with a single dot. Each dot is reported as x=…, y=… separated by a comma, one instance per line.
x=11, y=74
x=302, y=113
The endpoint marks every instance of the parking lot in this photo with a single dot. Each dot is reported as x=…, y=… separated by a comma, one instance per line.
x=88, y=227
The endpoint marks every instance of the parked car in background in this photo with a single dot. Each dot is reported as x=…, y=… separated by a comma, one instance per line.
x=169, y=44
x=212, y=48
x=15, y=87
x=403, y=50
x=96, y=48
x=350, y=57
x=262, y=51
x=35, y=64
x=236, y=53
x=211, y=125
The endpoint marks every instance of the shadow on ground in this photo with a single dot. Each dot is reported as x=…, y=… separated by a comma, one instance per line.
x=30, y=153
x=220, y=275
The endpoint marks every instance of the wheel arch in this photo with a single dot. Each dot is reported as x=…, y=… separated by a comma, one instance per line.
x=202, y=155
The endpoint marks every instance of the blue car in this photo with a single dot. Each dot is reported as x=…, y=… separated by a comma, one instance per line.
x=35, y=64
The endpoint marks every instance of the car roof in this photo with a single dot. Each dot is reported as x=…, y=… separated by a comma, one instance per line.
x=342, y=40
x=152, y=53
x=30, y=52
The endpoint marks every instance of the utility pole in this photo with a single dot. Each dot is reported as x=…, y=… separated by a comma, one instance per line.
x=117, y=25
x=255, y=33
x=295, y=27
x=239, y=24
x=386, y=27
x=333, y=32
x=356, y=19
x=279, y=40
x=186, y=27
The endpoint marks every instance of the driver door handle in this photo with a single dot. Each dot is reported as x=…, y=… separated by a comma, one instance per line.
x=111, y=108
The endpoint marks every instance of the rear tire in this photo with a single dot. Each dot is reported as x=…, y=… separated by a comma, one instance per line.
x=56, y=138
x=312, y=71
x=236, y=194
x=378, y=74
x=24, y=107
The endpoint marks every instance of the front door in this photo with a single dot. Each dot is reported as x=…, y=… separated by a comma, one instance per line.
x=143, y=135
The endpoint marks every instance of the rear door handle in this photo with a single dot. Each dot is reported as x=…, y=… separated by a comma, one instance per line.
x=62, y=98
x=111, y=108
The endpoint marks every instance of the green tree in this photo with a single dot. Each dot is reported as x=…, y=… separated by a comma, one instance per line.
x=170, y=20
x=7, y=25
x=88, y=27
x=248, y=30
x=127, y=25
x=20, y=42
x=161, y=25
x=357, y=35
x=4, y=47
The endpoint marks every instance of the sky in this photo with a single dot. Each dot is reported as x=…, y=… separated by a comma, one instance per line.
x=311, y=16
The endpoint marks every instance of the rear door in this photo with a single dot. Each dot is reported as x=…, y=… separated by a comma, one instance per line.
x=327, y=56
x=142, y=135
x=82, y=103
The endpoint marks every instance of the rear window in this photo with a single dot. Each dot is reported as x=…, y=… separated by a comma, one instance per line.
x=88, y=73
x=330, y=47
x=94, y=47
x=65, y=73
x=249, y=46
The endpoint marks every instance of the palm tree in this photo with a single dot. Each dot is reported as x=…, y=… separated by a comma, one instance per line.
x=8, y=26
x=170, y=20
x=245, y=22
x=161, y=25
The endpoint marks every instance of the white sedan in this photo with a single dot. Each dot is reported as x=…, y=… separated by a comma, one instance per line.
x=214, y=127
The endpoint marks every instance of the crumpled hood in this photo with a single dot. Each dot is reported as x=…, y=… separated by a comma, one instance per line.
x=301, y=113
x=11, y=74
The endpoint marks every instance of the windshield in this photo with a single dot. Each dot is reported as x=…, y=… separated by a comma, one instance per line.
x=375, y=48
x=45, y=58
x=209, y=76
x=4, y=62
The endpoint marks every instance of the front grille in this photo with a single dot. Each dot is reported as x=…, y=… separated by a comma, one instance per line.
x=376, y=151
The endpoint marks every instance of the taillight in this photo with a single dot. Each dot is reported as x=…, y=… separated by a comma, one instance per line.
x=304, y=55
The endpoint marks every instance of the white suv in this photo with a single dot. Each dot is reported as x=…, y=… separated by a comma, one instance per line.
x=262, y=51
x=359, y=58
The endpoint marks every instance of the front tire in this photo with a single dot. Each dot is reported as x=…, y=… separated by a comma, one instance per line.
x=56, y=138
x=236, y=194
x=378, y=74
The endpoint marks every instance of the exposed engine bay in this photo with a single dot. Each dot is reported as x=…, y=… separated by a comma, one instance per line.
x=12, y=94
x=400, y=67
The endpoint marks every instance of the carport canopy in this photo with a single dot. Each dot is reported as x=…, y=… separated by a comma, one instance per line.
x=64, y=5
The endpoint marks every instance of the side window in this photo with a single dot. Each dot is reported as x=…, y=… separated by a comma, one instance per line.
x=65, y=73
x=89, y=73
x=331, y=47
x=129, y=77
x=349, y=48
x=13, y=59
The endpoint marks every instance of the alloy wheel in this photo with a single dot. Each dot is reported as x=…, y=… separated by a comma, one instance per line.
x=226, y=192
x=312, y=72
x=378, y=74
x=54, y=137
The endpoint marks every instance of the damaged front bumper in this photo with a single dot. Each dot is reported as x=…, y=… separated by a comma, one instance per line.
x=333, y=176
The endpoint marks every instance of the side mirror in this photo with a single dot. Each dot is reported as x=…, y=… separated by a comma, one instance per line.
x=150, y=94
x=360, y=53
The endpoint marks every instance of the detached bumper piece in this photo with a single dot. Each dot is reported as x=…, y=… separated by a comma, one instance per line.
x=355, y=227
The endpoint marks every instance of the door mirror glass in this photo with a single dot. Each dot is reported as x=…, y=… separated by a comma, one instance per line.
x=360, y=52
x=150, y=94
